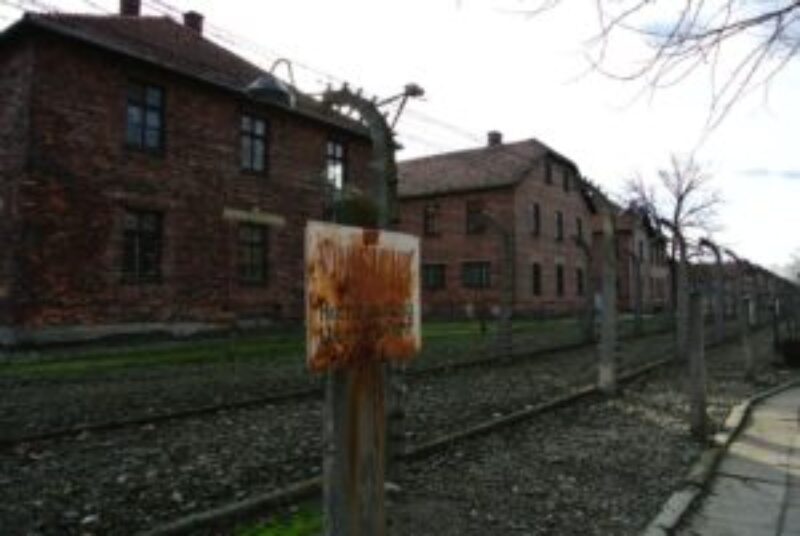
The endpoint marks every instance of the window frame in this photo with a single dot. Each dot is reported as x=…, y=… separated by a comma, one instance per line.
x=144, y=107
x=559, y=226
x=265, y=138
x=430, y=219
x=474, y=210
x=332, y=160
x=484, y=281
x=440, y=281
x=536, y=279
x=153, y=247
x=255, y=249
x=535, y=218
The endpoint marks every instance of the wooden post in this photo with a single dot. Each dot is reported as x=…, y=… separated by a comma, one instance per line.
x=697, y=368
x=607, y=377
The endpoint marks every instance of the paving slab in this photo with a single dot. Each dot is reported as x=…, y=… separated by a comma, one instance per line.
x=756, y=488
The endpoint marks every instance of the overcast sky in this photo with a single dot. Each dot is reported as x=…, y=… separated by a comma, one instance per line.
x=485, y=67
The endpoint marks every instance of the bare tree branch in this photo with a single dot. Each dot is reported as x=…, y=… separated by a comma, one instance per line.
x=743, y=44
x=683, y=196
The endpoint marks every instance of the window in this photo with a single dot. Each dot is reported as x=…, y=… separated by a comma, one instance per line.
x=336, y=164
x=641, y=251
x=536, y=279
x=141, y=250
x=579, y=228
x=476, y=274
x=535, y=219
x=559, y=226
x=579, y=282
x=433, y=276
x=253, y=144
x=548, y=172
x=252, y=254
x=145, y=117
x=475, y=219
x=430, y=219
x=565, y=173
x=559, y=279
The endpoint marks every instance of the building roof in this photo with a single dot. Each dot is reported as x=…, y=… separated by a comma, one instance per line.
x=474, y=169
x=168, y=44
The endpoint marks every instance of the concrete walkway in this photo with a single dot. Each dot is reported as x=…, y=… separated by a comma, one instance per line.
x=756, y=488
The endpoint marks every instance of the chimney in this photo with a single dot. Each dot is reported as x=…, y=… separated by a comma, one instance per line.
x=130, y=8
x=495, y=138
x=193, y=20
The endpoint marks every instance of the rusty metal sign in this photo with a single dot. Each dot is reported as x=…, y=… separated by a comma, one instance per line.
x=362, y=296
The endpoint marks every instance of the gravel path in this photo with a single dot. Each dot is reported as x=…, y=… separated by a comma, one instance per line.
x=598, y=467
x=123, y=481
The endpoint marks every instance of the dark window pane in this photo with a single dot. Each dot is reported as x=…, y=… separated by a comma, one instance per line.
x=247, y=149
x=154, y=97
x=259, y=127
x=136, y=92
x=144, y=122
x=536, y=279
x=141, y=251
x=153, y=119
x=335, y=164
x=258, y=155
x=152, y=139
x=252, y=254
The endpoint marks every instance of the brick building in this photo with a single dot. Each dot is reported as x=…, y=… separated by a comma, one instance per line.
x=537, y=198
x=152, y=180
x=642, y=263
x=531, y=193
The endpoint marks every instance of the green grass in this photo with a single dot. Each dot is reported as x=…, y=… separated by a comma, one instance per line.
x=304, y=523
x=276, y=349
x=284, y=349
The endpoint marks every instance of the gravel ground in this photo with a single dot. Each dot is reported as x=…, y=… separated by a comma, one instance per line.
x=39, y=403
x=599, y=467
x=124, y=481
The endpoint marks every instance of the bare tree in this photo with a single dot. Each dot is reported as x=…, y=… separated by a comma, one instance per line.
x=743, y=44
x=683, y=196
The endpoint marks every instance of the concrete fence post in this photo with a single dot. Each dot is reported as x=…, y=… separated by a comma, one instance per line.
x=681, y=293
x=355, y=415
x=587, y=318
x=697, y=368
x=718, y=286
x=607, y=374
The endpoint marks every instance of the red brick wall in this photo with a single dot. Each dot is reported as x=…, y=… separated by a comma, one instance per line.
x=509, y=206
x=453, y=246
x=84, y=177
x=544, y=248
x=15, y=78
